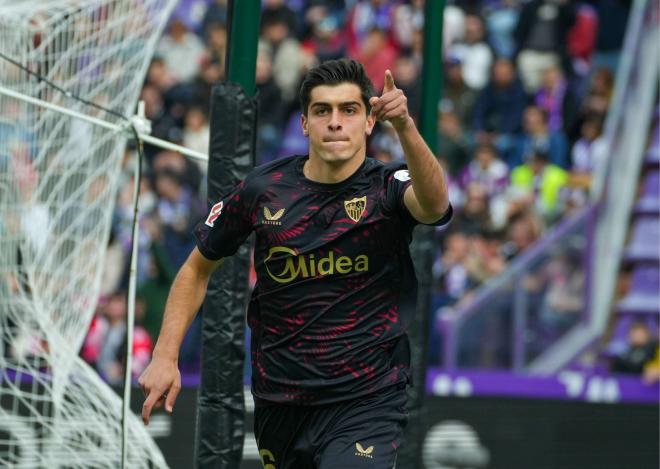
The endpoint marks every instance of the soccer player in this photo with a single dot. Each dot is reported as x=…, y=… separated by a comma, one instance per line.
x=330, y=351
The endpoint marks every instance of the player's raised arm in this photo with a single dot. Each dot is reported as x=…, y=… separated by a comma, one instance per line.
x=161, y=381
x=427, y=198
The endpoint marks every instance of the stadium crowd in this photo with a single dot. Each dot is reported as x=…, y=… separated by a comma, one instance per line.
x=527, y=85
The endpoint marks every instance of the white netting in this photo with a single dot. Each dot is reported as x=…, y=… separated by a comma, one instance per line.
x=58, y=179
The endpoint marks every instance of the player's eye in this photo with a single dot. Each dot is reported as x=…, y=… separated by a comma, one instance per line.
x=320, y=111
x=350, y=111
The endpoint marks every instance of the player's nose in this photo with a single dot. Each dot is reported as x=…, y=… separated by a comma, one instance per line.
x=335, y=120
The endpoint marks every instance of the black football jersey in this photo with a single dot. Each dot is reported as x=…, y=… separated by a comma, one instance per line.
x=335, y=282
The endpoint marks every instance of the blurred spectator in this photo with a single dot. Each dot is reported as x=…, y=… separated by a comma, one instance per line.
x=159, y=76
x=453, y=29
x=474, y=217
x=123, y=224
x=563, y=301
x=105, y=344
x=596, y=101
x=537, y=183
x=523, y=229
x=457, y=92
x=485, y=260
x=452, y=142
x=408, y=18
x=289, y=60
x=652, y=368
x=363, y=18
x=451, y=276
x=163, y=124
x=196, y=132
x=271, y=108
x=210, y=73
x=557, y=99
x=407, y=77
x=499, y=107
x=541, y=36
x=115, y=266
x=280, y=10
x=492, y=174
x=581, y=39
x=377, y=54
x=181, y=50
x=216, y=44
x=326, y=40
x=612, y=21
x=187, y=171
x=216, y=13
x=501, y=19
x=179, y=211
x=474, y=53
x=588, y=154
x=539, y=138
x=487, y=170
x=314, y=11
x=642, y=348
x=153, y=291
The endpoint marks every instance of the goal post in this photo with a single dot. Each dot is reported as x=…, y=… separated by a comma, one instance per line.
x=59, y=176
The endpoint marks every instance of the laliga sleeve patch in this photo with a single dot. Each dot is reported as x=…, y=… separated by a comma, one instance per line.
x=402, y=175
x=215, y=212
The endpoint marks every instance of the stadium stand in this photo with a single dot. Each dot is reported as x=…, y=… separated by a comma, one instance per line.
x=514, y=176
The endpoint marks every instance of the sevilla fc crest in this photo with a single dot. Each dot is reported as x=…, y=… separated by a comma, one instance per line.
x=355, y=208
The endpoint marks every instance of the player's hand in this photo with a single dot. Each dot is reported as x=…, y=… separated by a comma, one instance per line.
x=392, y=105
x=160, y=383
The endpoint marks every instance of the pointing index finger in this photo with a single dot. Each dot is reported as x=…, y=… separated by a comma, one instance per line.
x=389, y=81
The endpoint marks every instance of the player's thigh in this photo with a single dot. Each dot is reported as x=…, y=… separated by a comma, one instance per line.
x=279, y=431
x=367, y=435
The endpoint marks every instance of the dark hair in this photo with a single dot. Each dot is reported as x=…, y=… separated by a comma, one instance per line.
x=334, y=72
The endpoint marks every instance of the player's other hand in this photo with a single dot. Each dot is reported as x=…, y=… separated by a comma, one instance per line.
x=160, y=383
x=392, y=105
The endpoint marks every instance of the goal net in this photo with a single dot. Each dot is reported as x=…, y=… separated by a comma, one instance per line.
x=58, y=180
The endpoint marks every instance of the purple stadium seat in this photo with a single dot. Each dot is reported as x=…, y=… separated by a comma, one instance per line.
x=652, y=156
x=644, y=244
x=649, y=201
x=655, y=134
x=651, y=186
x=619, y=339
x=644, y=295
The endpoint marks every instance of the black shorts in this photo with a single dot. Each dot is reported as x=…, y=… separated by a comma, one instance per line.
x=361, y=433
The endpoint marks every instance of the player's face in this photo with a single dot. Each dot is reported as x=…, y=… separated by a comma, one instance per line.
x=337, y=123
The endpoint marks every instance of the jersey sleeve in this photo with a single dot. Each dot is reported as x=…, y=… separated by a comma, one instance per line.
x=226, y=225
x=397, y=180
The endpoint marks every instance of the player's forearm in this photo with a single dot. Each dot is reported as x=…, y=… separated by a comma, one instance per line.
x=184, y=300
x=428, y=179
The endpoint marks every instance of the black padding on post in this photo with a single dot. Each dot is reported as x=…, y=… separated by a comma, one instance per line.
x=220, y=405
x=421, y=251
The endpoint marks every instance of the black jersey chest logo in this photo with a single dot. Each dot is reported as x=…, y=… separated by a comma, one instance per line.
x=355, y=208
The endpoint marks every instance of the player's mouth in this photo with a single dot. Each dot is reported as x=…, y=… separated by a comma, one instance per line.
x=335, y=139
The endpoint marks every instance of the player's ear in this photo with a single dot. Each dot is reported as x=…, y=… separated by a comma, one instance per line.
x=304, y=124
x=371, y=121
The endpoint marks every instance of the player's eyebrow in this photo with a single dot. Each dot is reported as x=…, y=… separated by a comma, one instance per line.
x=342, y=104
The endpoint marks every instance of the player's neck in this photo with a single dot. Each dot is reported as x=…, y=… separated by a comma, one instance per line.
x=317, y=170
